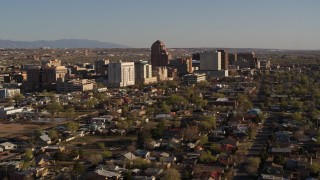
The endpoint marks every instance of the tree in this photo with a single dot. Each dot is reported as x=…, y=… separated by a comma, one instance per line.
x=297, y=116
x=252, y=165
x=107, y=154
x=72, y=126
x=215, y=147
x=206, y=157
x=53, y=134
x=28, y=155
x=203, y=140
x=70, y=113
x=54, y=108
x=101, y=145
x=315, y=168
x=171, y=174
x=191, y=133
x=95, y=159
x=78, y=168
x=17, y=98
x=207, y=122
x=279, y=159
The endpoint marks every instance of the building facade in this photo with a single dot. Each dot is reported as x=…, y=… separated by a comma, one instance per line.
x=210, y=61
x=121, y=74
x=8, y=93
x=159, y=54
x=143, y=73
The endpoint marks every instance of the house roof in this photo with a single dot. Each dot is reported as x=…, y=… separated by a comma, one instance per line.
x=130, y=156
x=106, y=173
x=281, y=150
x=7, y=144
x=45, y=138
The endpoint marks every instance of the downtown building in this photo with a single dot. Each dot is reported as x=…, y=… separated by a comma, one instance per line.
x=44, y=76
x=159, y=55
x=211, y=64
x=121, y=74
x=143, y=73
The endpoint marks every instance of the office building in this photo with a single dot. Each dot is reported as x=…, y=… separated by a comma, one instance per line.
x=76, y=85
x=224, y=59
x=143, y=73
x=44, y=76
x=101, y=66
x=159, y=54
x=121, y=74
x=193, y=78
x=210, y=61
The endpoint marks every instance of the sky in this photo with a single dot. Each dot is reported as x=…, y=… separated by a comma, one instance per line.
x=275, y=24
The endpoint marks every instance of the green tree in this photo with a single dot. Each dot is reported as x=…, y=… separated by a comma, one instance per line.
x=171, y=174
x=206, y=157
x=252, y=165
x=28, y=155
x=107, y=154
x=70, y=113
x=53, y=134
x=72, y=126
x=78, y=168
x=207, y=122
x=54, y=108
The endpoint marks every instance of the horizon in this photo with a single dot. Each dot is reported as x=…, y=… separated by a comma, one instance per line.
x=284, y=25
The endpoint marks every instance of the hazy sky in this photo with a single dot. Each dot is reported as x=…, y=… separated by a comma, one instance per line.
x=289, y=24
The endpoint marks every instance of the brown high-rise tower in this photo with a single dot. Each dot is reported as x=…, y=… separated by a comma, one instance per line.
x=159, y=54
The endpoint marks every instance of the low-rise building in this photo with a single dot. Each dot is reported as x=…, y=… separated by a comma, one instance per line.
x=8, y=93
x=76, y=85
x=193, y=78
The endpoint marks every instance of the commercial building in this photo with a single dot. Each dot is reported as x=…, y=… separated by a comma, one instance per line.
x=263, y=64
x=76, y=85
x=8, y=93
x=224, y=59
x=121, y=74
x=143, y=73
x=183, y=65
x=193, y=78
x=159, y=54
x=161, y=73
x=45, y=76
x=101, y=66
x=210, y=61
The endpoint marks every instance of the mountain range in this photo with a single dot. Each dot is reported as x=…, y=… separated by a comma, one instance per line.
x=63, y=43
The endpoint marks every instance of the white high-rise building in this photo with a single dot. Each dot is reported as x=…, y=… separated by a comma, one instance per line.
x=210, y=61
x=143, y=72
x=121, y=74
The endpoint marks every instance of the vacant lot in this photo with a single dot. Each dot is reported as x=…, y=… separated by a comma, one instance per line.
x=15, y=129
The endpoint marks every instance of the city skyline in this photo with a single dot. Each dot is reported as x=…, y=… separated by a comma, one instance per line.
x=231, y=24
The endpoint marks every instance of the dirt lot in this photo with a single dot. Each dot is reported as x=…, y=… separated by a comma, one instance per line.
x=15, y=129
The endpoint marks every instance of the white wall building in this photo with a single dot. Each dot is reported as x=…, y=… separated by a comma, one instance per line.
x=143, y=72
x=121, y=74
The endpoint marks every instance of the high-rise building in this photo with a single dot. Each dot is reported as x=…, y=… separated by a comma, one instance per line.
x=45, y=76
x=159, y=54
x=210, y=61
x=183, y=65
x=224, y=59
x=121, y=74
x=143, y=72
x=101, y=66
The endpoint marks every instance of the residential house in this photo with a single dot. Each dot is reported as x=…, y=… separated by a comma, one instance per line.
x=8, y=146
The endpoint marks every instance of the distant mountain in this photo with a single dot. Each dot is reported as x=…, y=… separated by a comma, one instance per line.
x=63, y=43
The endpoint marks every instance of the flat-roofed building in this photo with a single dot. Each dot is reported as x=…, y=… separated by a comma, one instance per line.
x=76, y=85
x=121, y=74
x=193, y=78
